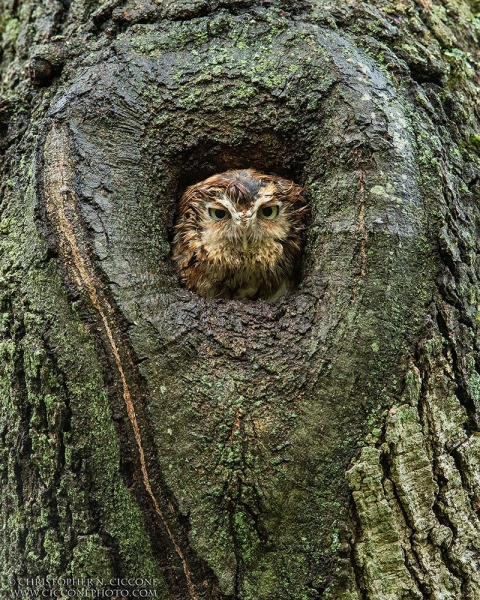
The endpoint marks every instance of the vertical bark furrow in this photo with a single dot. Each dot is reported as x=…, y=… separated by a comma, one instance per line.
x=60, y=200
x=433, y=514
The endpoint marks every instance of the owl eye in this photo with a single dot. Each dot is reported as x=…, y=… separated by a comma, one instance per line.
x=217, y=214
x=269, y=212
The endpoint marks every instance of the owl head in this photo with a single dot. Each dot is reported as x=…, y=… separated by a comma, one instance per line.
x=238, y=235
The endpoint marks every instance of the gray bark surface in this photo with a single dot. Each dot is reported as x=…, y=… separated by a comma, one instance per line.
x=323, y=446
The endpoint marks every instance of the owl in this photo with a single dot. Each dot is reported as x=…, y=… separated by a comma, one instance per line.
x=238, y=235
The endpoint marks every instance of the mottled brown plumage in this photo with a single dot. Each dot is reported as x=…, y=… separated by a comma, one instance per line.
x=238, y=235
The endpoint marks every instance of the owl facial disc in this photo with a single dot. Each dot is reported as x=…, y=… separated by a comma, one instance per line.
x=238, y=236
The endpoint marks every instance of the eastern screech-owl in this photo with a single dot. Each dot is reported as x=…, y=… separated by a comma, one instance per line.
x=238, y=236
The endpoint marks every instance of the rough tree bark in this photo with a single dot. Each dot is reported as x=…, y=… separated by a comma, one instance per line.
x=325, y=446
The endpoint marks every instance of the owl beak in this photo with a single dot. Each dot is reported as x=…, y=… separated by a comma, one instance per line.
x=246, y=220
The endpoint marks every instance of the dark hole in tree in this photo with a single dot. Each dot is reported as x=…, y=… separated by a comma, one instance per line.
x=270, y=154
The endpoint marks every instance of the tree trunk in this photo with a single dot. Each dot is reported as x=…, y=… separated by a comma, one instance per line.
x=323, y=446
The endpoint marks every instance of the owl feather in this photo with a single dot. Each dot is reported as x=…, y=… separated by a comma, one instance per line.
x=238, y=235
